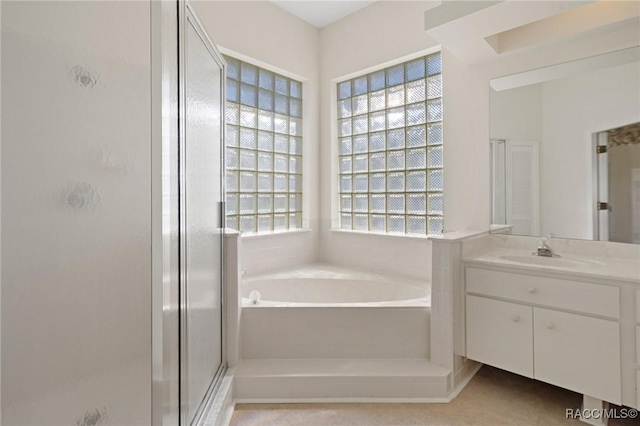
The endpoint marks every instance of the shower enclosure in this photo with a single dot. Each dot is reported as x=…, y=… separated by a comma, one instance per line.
x=111, y=167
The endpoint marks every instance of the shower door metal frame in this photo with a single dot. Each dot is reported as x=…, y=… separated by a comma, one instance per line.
x=187, y=16
x=600, y=186
x=165, y=338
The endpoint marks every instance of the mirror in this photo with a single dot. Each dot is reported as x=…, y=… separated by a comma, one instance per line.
x=565, y=150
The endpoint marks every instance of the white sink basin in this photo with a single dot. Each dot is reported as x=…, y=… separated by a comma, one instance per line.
x=548, y=261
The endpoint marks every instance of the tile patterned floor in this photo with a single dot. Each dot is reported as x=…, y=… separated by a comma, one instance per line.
x=494, y=397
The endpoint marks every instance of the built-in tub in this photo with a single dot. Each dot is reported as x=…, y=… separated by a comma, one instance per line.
x=324, y=311
x=324, y=285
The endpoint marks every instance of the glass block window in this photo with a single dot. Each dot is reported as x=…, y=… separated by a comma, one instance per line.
x=390, y=149
x=263, y=149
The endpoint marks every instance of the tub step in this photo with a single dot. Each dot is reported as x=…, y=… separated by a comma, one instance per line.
x=343, y=380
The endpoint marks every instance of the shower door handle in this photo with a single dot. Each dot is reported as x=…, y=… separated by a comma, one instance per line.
x=223, y=208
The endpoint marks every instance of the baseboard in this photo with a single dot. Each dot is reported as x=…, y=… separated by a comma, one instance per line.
x=341, y=400
x=463, y=384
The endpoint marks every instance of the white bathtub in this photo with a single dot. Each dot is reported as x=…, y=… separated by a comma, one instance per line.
x=326, y=285
x=323, y=311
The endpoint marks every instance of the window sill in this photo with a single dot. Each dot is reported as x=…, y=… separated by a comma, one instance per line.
x=382, y=234
x=274, y=233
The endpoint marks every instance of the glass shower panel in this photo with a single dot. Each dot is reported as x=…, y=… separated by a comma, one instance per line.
x=76, y=213
x=202, y=278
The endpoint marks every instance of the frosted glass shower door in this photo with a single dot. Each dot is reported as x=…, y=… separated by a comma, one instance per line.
x=201, y=227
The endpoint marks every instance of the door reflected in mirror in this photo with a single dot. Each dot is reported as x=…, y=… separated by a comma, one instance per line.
x=618, y=177
x=565, y=150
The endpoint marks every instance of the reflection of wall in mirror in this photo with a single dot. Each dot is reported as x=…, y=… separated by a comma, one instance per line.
x=563, y=114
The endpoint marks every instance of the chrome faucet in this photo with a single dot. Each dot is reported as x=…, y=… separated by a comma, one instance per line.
x=544, y=250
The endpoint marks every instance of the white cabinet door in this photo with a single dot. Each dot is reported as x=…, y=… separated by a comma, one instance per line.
x=500, y=334
x=578, y=353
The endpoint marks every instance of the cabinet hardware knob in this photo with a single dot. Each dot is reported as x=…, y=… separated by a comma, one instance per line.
x=551, y=325
x=532, y=290
x=515, y=318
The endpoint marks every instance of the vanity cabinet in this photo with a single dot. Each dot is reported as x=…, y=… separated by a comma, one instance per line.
x=520, y=323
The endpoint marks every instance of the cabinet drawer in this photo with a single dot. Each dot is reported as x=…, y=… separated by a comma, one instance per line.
x=553, y=292
x=500, y=334
x=578, y=353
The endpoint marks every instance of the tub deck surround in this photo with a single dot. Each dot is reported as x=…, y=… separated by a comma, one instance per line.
x=334, y=332
x=588, y=293
x=447, y=305
x=233, y=297
x=277, y=250
x=329, y=333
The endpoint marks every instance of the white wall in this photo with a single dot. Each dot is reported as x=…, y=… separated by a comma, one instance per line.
x=516, y=114
x=383, y=32
x=260, y=31
x=76, y=213
x=467, y=203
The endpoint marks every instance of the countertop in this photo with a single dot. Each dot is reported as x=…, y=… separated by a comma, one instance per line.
x=619, y=269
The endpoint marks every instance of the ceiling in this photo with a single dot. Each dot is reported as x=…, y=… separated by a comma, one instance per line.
x=484, y=31
x=321, y=13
